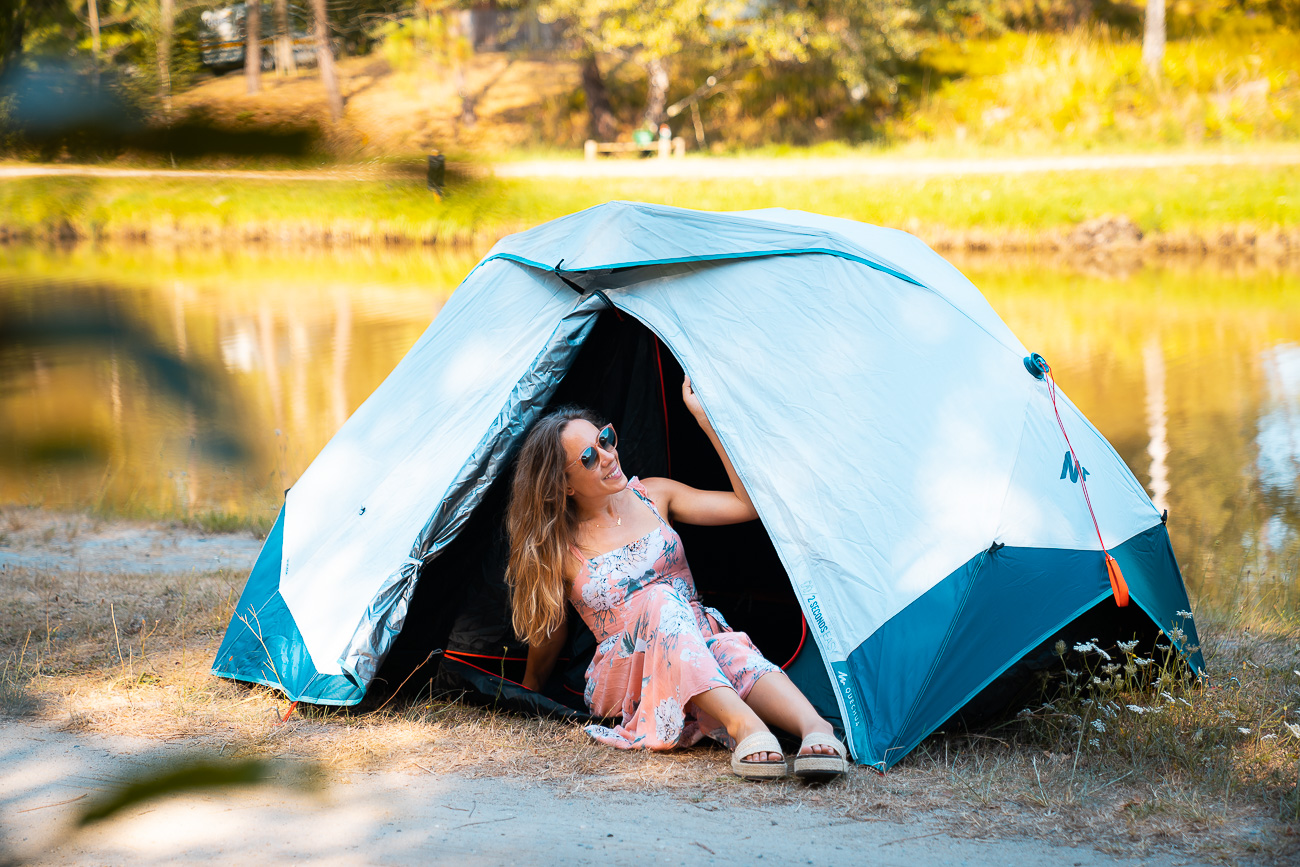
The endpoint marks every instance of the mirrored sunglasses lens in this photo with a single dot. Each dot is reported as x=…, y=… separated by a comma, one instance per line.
x=608, y=438
x=589, y=458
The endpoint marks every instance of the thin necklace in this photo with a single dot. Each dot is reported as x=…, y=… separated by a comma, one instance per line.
x=618, y=522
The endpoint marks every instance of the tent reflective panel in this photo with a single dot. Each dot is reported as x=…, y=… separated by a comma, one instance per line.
x=923, y=530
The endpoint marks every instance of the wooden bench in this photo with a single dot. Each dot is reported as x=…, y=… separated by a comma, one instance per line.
x=675, y=147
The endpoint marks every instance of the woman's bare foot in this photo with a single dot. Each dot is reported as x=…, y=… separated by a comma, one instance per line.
x=821, y=727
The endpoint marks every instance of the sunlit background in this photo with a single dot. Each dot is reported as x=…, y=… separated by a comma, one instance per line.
x=180, y=344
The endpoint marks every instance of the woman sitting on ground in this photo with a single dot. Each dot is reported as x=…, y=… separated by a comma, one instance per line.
x=673, y=670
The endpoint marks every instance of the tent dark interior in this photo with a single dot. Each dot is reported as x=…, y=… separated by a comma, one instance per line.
x=457, y=637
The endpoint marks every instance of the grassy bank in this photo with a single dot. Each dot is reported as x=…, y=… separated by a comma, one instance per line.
x=1227, y=207
x=1088, y=90
x=1131, y=766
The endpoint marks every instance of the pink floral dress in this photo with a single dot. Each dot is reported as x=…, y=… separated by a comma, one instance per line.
x=658, y=647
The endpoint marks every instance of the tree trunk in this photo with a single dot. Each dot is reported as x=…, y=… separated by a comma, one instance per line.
x=15, y=29
x=601, y=124
x=325, y=60
x=285, y=63
x=1153, y=37
x=253, y=45
x=166, y=19
x=656, y=92
x=92, y=10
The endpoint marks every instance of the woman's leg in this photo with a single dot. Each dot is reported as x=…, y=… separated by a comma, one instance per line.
x=777, y=701
x=737, y=717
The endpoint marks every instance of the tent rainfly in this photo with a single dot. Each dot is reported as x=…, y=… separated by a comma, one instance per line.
x=926, y=532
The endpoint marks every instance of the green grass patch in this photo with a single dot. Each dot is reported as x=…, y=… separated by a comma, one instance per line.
x=1200, y=199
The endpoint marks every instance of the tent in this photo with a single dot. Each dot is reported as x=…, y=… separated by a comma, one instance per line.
x=924, y=538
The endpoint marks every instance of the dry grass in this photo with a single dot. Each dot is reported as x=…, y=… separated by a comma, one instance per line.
x=129, y=654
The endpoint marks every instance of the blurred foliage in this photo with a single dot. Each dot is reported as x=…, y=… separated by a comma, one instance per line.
x=785, y=72
x=1182, y=17
x=424, y=35
x=1088, y=89
x=180, y=776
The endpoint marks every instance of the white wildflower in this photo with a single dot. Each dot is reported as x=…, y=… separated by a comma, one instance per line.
x=1178, y=635
x=1226, y=714
x=1085, y=647
x=1094, y=742
x=1268, y=736
x=1025, y=712
x=1127, y=646
x=1167, y=697
x=1074, y=720
x=1087, y=702
x=1137, y=710
x=1142, y=662
x=1099, y=725
x=1162, y=647
x=1293, y=729
x=1097, y=680
x=1183, y=613
x=1073, y=673
x=1130, y=669
x=1184, y=701
x=1243, y=730
x=1110, y=668
x=1049, y=705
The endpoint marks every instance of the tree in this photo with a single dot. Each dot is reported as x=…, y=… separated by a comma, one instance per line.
x=253, y=45
x=325, y=59
x=285, y=62
x=18, y=18
x=166, y=21
x=92, y=12
x=1153, y=37
x=864, y=42
x=650, y=33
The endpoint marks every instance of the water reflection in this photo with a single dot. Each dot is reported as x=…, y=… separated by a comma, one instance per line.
x=294, y=341
x=1192, y=371
x=1187, y=369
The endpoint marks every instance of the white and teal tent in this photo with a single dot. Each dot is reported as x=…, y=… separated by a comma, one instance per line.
x=923, y=534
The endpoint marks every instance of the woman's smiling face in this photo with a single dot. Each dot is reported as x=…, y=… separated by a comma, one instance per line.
x=605, y=478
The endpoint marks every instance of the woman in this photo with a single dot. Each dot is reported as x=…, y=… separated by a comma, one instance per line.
x=672, y=669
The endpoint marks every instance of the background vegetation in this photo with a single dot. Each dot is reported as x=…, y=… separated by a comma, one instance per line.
x=450, y=75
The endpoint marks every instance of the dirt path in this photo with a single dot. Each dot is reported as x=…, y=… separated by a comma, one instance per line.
x=414, y=817
x=713, y=168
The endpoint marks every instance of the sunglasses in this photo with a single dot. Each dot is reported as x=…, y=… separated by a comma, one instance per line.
x=606, y=440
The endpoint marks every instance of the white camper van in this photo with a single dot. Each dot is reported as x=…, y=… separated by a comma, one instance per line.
x=223, y=37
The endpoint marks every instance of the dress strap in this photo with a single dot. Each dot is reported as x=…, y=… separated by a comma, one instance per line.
x=639, y=489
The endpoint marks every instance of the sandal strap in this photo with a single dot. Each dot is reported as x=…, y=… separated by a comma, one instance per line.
x=823, y=740
x=758, y=742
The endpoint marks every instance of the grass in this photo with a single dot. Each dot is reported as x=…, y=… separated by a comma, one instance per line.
x=1088, y=90
x=1233, y=205
x=1173, y=772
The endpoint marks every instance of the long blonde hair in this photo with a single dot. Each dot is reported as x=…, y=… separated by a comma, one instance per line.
x=543, y=525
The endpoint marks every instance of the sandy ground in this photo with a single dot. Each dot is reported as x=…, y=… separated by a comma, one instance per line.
x=398, y=818
x=48, y=541
x=397, y=813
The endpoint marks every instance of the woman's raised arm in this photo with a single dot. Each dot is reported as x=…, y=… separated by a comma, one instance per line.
x=693, y=506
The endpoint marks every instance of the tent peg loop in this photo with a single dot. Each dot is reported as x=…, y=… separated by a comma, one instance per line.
x=996, y=547
x=1164, y=517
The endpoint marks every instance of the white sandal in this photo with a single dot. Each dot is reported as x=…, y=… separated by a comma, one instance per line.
x=819, y=767
x=758, y=742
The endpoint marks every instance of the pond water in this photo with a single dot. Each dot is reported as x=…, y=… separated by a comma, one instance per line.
x=199, y=383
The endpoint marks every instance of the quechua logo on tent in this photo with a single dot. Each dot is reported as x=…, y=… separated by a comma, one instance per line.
x=1073, y=469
